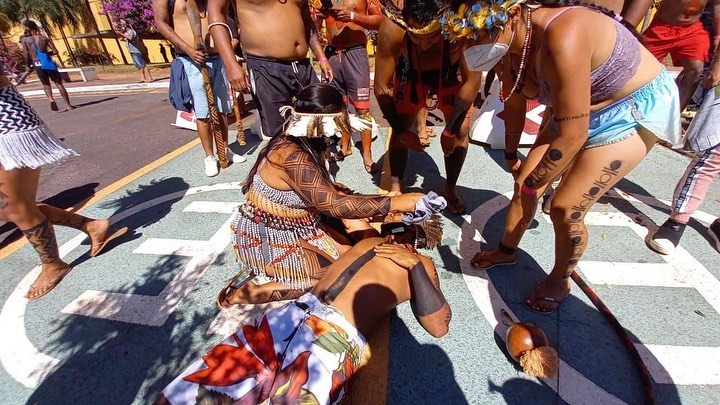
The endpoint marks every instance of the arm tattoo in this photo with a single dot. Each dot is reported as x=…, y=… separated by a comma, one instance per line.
x=344, y=278
x=546, y=168
x=426, y=298
x=460, y=109
x=42, y=238
x=571, y=117
x=320, y=191
x=282, y=295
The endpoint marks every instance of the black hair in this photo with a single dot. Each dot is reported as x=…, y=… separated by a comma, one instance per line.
x=319, y=98
x=591, y=6
x=422, y=11
x=30, y=24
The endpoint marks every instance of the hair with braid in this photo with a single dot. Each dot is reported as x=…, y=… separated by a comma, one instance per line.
x=592, y=6
x=319, y=98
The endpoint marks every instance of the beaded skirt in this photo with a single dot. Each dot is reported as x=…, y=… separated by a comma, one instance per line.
x=270, y=245
x=25, y=141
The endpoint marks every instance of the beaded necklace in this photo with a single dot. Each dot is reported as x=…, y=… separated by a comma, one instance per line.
x=521, y=74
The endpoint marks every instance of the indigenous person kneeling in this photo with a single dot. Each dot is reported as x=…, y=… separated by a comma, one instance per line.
x=611, y=101
x=308, y=350
x=283, y=243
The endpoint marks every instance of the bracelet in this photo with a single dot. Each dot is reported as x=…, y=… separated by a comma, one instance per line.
x=511, y=155
x=352, y=16
x=322, y=59
x=528, y=190
x=447, y=134
x=212, y=43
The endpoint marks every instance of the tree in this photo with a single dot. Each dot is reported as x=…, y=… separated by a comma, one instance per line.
x=137, y=13
x=60, y=12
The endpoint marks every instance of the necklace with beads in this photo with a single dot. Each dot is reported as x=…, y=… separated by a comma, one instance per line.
x=521, y=74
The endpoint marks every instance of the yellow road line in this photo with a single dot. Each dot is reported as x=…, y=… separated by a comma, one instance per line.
x=14, y=246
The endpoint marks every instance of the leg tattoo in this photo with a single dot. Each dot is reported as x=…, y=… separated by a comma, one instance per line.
x=42, y=237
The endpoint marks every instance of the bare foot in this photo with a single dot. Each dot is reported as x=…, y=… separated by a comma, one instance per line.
x=394, y=189
x=548, y=295
x=97, y=231
x=70, y=107
x=456, y=205
x=50, y=276
x=488, y=260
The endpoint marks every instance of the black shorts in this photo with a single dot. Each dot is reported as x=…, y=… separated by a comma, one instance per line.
x=273, y=84
x=351, y=74
x=47, y=75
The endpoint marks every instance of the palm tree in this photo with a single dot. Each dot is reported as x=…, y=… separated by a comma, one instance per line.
x=59, y=12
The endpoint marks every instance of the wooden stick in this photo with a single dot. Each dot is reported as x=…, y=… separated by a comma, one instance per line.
x=238, y=118
x=194, y=18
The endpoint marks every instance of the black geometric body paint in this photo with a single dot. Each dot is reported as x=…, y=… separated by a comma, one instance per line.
x=3, y=199
x=427, y=299
x=282, y=295
x=459, y=111
x=571, y=117
x=344, y=278
x=42, y=238
x=546, y=165
x=576, y=229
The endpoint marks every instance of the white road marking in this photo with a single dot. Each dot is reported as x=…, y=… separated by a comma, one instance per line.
x=20, y=358
x=667, y=364
x=173, y=247
x=213, y=207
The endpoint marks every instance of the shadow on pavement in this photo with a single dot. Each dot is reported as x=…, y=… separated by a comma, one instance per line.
x=64, y=200
x=102, y=100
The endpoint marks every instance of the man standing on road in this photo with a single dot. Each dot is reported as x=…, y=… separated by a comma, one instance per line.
x=132, y=41
x=346, y=25
x=38, y=51
x=275, y=36
x=180, y=34
x=413, y=60
x=677, y=30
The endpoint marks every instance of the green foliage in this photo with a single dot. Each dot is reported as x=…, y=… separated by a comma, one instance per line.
x=59, y=12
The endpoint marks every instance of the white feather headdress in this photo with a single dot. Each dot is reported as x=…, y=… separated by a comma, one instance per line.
x=318, y=125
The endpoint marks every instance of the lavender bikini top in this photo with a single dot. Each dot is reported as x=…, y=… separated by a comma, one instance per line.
x=612, y=74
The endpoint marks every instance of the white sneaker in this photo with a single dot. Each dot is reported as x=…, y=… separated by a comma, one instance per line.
x=211, y=166
x=235, y=158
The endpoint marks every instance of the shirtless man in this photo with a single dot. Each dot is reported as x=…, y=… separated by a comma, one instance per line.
x=677, y=30
x=308, y=350
x=275, y=36
x=412, y=51
x=180, y=34
x=346, y=25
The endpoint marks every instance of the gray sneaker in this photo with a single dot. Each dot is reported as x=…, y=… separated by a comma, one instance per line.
x=714, y=232
x=667, y=237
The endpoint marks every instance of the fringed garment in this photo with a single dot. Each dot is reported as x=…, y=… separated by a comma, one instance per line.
x=25, y=140
x=268, y=244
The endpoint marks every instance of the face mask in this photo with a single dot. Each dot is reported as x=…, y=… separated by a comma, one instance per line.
x=482, y=58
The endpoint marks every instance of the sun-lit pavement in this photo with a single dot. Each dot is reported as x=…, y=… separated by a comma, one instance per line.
x=124, y=324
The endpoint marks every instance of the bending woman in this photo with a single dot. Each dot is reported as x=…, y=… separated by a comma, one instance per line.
x=282, y=242
x=611, y=101
x=26, y=144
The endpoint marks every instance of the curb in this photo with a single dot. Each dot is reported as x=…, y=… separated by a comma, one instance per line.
x=103, y=88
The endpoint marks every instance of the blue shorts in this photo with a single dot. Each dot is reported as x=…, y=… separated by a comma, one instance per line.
x=220, y=86
x=655, y=107
x=138, y=60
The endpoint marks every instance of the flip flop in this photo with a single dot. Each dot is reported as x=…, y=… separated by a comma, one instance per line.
x=474, y=263
x=451, y=206
x=52, y=286
x=371, y=168
x=339, y=156
x=120, y=232
x=546, y=299
x=54, y=106
x=235, y=283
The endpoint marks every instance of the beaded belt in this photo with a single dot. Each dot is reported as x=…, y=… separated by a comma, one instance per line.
x=249, y=211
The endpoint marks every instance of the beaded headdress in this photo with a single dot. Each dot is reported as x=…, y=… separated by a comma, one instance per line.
x=477, y=19
x=317, y=125
x=428, y=233
x=391, y=11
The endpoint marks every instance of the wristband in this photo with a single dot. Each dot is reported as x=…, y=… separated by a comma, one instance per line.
x=447, y=134
x=352, y=16
x=511, y=155
x=528, y=190
x=322, y=59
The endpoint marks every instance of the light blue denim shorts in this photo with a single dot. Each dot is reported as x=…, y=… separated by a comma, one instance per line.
x=221, y=88
x=655, y=107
